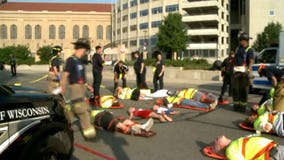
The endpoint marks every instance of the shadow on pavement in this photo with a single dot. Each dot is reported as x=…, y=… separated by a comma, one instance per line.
x=115, y=142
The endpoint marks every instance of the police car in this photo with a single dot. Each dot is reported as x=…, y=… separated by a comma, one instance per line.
x=33, y=125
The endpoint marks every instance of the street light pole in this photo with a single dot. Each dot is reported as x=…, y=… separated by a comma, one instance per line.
x=145, y=31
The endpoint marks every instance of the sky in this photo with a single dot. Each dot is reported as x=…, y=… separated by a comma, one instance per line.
x=66, y=1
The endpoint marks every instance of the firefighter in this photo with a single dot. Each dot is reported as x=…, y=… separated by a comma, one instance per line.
x=244, y=60
x=120, y=70
x=140, y=71
x=97, y=73
x=74, y=74
x=275, y=74
x=159, y=71
x=227, y=73
x=251, y=147
x=54, y=69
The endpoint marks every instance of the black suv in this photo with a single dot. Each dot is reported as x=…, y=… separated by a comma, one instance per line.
x=33, y=125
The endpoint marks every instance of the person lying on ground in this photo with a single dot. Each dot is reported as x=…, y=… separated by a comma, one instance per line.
x=251, y=147
x=139, y=94
x=107, y=121
x=163, y=110
x=147, y=113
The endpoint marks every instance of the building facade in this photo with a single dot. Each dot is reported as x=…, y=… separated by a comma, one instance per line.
x=135, y=23
x=41, y=24
x=208, y=26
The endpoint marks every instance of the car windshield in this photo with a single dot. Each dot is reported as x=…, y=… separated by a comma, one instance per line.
x=5, y=90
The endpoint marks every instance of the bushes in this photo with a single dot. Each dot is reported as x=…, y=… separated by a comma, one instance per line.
x=21, y=52
x=186, y=63
x=45, y=54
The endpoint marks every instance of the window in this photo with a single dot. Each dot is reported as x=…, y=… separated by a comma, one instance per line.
x=108, y=32
x=156, y=24
x=28, y=31
x=157, y=10
x=144, y=25
x=13, y=32
x=133, y=43
x=172, y=8
x=271, y=12
x=86, y=31
x=124, y=29
x=100, y=33
x=144, y=1
x=61, y=32
x=133, y=3
x=125, y=18
x=125, y=6
x=3, y=33
x=133, y=28
x=144, y=13
x=52, y=32
x=266, y=56
x=76, y=32
x=143, y=42
x=37, y=32
x=133, y=15
x=154, y=40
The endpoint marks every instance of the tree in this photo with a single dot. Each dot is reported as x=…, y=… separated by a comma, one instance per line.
x=172, y=35
x=45, y=54
x=21, y=52
x=269, y=36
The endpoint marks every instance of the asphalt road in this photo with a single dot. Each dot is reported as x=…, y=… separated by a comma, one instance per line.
x=182, y=139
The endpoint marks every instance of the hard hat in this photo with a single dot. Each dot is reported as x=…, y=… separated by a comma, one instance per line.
x=244, y=36
x=56, y=49
x=82, y=43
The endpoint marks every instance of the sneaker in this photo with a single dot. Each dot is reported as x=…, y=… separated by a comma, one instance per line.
x=148, y=125
x=135, y=130
x=214, y=105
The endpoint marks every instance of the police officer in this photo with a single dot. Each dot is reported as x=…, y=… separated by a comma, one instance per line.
x=140, y=71
x=227, y=73
x=159, y=70
x=97, y=72
x=275, y=74
x=54, y=69
x=13, y=64
x=244, y=60
x=74, y=74
x=120, y=70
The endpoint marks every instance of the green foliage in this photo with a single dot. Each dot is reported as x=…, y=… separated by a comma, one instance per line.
x=45, y=54
x=21, y=52
x=172, y=36
x=268, y=36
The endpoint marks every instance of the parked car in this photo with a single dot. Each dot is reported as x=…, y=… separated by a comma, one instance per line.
x=33, y=125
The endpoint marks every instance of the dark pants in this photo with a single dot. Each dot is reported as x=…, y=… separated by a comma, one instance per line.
x=226, y=81
x=97, y=76
x=157, y=78
x=116, y=78
x=240, y=91
x=141, y=80
x=13, y=70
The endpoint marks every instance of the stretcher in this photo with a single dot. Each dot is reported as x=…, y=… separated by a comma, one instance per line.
x=142, y=134
x=208, y=151
x=224, y=102
x=192, y=107
x=117, y=105
x=246, y=127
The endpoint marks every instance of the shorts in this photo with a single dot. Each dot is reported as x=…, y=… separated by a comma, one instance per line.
x=106, y=121
x=142, y=113
x=135, y=95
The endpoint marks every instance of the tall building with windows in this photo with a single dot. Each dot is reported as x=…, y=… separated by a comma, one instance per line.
x=135, y=22
x=40, y=24
x=208, y=26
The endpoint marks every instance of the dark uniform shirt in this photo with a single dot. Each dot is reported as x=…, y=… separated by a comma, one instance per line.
x=98, y=63
x=120, y=70
x=228, y=64
x=243, y=56
x=138, y=64
x=76, y=70
x=275, y=71
x=55, y=62
x=13, y=61
x=159, y=65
